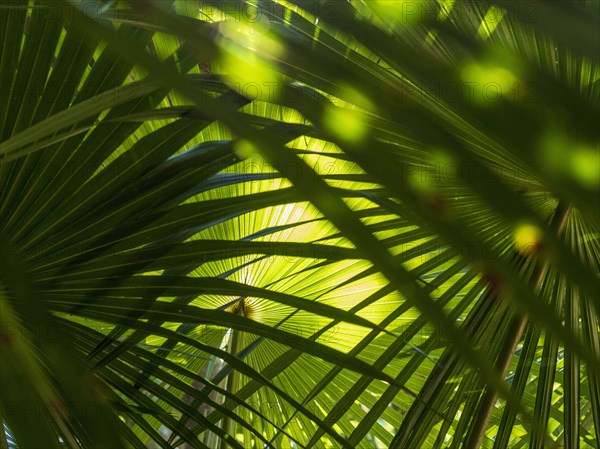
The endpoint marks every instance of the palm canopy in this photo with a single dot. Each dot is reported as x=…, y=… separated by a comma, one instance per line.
x=299, y=224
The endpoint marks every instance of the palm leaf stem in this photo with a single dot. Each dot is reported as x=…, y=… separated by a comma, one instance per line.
x=514, y=335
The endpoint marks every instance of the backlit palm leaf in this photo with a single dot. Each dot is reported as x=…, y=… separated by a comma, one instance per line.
x=299, y=224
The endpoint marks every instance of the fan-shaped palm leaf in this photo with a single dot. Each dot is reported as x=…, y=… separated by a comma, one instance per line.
x=299, y=224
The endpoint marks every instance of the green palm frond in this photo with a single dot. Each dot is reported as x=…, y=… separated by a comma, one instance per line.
x=299, y=224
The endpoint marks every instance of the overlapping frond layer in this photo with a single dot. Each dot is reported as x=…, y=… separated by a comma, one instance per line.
x=299, y=224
